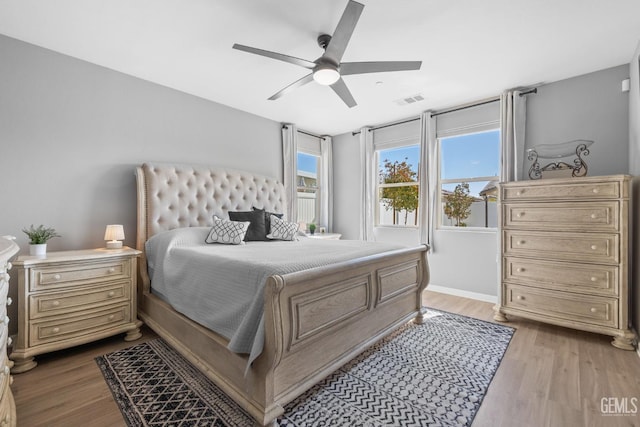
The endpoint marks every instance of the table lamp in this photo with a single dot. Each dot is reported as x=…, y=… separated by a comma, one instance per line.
x=114, y=235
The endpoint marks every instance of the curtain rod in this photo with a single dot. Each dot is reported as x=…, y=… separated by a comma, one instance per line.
x=451, y=110
x=304, y=132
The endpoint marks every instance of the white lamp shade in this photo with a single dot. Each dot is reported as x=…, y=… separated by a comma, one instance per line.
x=114, y=234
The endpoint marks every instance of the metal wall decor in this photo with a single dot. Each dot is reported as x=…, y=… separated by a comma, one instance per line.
x=554, y=151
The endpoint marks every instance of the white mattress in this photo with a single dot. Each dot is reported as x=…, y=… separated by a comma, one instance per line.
x=222, y=286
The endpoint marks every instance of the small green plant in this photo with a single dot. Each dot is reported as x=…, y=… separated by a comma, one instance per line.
x=312, y=228
x=40, y=234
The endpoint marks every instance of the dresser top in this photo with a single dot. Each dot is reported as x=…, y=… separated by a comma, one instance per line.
x=7, y=247
x=77, y=255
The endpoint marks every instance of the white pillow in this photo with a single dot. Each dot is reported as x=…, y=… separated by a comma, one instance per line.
x=282, y=230
x=227, y=232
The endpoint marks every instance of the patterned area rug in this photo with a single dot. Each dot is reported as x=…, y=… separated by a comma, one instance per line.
x=435, y=374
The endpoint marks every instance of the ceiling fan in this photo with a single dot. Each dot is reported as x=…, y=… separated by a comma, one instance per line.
x=328, y=70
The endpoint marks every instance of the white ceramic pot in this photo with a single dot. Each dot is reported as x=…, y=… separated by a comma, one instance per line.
x=38, y=250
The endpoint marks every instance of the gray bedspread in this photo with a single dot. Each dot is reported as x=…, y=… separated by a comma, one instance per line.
x=222, y=286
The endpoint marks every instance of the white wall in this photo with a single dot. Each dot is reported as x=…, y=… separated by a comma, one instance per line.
x=71, y=134
x=634, y=169
x=591, y=106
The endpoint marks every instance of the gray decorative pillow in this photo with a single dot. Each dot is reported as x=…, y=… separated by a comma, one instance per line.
x=283, y=230
x=257, y=230
x=227, y=232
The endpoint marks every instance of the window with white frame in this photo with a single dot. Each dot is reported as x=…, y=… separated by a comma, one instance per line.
x=469, y=173
x=397, y=186
x=308, y=184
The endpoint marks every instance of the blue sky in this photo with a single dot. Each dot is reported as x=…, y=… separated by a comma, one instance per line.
x=307, y=163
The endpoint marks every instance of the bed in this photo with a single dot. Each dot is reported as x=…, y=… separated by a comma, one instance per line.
x=314, y=319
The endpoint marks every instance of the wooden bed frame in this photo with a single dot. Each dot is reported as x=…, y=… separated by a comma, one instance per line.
x=315, y=320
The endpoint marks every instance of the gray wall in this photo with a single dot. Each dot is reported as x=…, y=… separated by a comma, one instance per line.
x=634, y=169
x=71, y=134
x=591, y=106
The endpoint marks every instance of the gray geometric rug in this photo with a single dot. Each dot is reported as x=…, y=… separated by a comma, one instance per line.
x=434, y=374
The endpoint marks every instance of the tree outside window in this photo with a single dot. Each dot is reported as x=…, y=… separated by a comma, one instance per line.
x=458, y=204
x=399, y=198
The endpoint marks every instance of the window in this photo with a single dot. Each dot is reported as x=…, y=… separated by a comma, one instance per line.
x=307, y=181
x=469, y=168
x=397, y=186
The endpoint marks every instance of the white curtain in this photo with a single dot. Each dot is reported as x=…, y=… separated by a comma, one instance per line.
x=513, y=113
x=367, y=184
x=326, y=182
x=290, y=163
x=428, y=177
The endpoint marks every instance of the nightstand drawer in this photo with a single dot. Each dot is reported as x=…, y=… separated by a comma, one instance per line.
x=54, y=303
x=84, y=324
x=580, y=247
x=573, y=277
x=78, y=274
x=563, y=305
x=592, y=217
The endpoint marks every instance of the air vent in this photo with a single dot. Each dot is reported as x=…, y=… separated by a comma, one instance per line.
x=410, y=100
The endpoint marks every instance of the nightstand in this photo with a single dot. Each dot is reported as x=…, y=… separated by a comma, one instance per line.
x=325, y=236
x=74, y=297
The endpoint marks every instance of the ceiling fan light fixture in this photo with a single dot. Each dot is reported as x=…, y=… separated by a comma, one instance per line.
x=326, y=75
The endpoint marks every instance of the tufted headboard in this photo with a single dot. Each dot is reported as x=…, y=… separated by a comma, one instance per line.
x=177, y=195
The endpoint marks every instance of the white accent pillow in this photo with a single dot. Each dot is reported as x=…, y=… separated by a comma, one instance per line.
x=227, y=232
x=283, y=230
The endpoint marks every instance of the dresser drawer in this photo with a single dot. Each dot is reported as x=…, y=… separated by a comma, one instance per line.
x=587, y=216
x=7, y=405
x=47, y=330
x=78, y=274
x=563, y=305
x=600, y=248
x=567, y=276
x=562, y=190
x=54, y=303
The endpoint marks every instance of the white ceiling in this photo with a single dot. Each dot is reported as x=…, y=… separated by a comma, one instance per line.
x=471, y=49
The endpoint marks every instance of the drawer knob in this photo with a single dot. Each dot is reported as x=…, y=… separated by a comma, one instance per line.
x=520, y=297
x=111, y=270
x=593, y=309
x=594, y=247
x=520, y=214
x=9, y=341
x=111, y=294
x=595, y=191
x=55, y=330
x=520, y=242
x=112, y=317
x=55, y=303
x=519, y=193
x=57, y=277
x=594, y=278
x=594, y=216
x=519, y=269
x=9, y=301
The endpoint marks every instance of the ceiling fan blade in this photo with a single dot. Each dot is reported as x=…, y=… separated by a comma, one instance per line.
x=303, y=81
x=274, y=55
x=350, y=68
x=342, y=90
x=343, y=32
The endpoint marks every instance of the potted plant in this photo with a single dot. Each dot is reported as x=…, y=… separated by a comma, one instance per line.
x=38, y=237
x=312, y=228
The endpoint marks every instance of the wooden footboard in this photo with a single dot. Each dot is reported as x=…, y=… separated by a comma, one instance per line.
x=315, y=321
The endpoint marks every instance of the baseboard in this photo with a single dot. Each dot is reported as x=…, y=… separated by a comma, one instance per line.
x=461, y=293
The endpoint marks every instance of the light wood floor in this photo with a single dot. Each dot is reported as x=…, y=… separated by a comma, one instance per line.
x=550, y=376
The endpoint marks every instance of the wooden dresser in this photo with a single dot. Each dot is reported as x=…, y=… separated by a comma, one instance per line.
x=74, y=297
x=565, y=253
x=7, y=405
